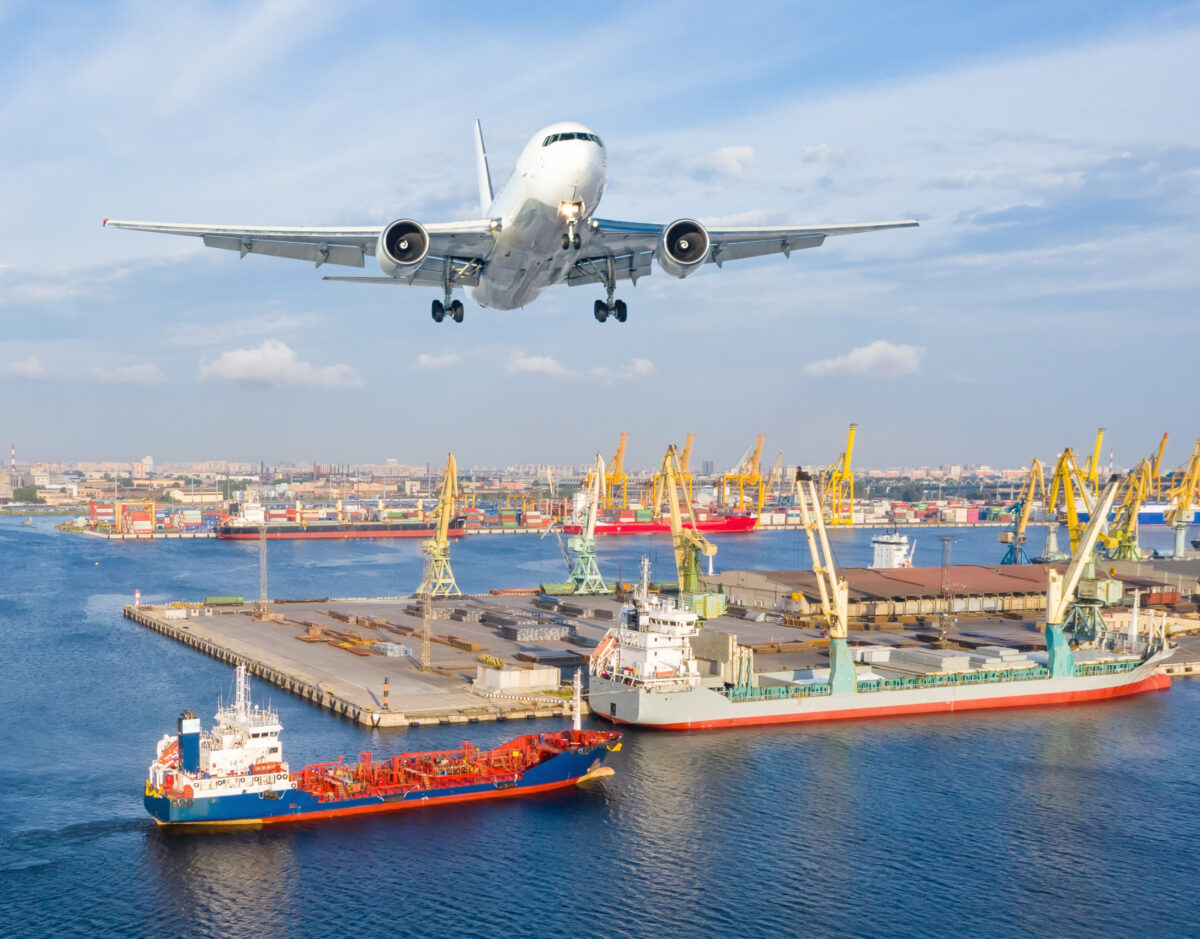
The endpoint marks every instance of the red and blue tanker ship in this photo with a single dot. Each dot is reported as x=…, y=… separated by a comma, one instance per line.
x=234, y=774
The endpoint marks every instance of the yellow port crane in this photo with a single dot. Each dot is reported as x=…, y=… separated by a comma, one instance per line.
x=1035, y=487
x=1155, y=481
x=1069, y=487
x=836, y=483
x=1184, y=494
x=1120, y=542
x=690, y=545
x=1091, y=469
x=438, y=580
x=832, y=588
x=748, y=475
x=614, y=475
x=770, y=489
x=657, y=488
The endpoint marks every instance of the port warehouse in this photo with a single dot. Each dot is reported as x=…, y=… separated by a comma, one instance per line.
x=883, y=595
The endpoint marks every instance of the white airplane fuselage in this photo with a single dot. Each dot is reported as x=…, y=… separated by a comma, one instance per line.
x=550, y=186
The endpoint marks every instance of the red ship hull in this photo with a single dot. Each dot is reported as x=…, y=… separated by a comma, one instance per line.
x=292, y=531
x=728, y=524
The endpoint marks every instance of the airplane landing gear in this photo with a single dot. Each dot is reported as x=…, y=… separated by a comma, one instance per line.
x=571, y=240
x=453, y=309
x=618, y=310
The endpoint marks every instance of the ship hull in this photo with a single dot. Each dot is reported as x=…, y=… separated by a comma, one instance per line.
x=292, y=531
x=732, y=524
x=297, y=805
x=706, y=709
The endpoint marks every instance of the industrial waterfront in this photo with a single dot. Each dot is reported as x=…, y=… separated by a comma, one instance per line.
x=920, y=809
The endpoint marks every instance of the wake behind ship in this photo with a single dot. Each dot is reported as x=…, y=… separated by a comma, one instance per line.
x=234, y=774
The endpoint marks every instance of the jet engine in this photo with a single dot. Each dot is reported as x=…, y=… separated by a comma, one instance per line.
x=402, y=247
x=682, y=247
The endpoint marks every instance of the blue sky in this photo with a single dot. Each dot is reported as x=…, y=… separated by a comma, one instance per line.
x=1051, y=152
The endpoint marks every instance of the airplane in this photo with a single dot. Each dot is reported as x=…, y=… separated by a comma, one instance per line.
x=538, y=230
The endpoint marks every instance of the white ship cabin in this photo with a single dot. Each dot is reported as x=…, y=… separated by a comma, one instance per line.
x=242, y=752
x=891, y=551
x=652, y=645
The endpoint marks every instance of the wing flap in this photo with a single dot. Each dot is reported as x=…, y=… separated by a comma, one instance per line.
x=723, y=251
x=320, y=253
x=624, y=267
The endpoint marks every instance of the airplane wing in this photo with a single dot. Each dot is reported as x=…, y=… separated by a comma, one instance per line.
x=465, y=245
x=628, y=247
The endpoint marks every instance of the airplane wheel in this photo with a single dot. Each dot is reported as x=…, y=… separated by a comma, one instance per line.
x=456, y=311
x=566, y=242
x=439, y=311
x=576, y=242
x=621, y=311
x=601, y=311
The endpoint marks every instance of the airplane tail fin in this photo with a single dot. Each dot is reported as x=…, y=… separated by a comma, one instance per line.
x=481, y=165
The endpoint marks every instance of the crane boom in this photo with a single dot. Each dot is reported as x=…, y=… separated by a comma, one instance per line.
x=689, y=544
x=1061, y=589
x=1185, y=492
x=438, y=580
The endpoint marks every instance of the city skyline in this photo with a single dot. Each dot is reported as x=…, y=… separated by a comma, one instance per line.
x=1050, y=290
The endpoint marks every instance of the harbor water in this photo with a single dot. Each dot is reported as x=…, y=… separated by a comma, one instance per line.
x=1061, y=821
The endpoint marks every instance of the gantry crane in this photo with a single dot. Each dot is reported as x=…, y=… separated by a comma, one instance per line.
x=585, y=574
x=747, y=475
x=837, y=485
x=1185, y=493
x=1120, y=541
x=614, y=475
x=438, y=579
x=1063, y=609
x=690, y=545
x=1035, y=486
x=832, y=588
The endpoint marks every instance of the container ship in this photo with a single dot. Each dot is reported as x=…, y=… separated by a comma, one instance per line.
x=628, y=523
x=240, y=529
x=645, y=672
x=234, y=774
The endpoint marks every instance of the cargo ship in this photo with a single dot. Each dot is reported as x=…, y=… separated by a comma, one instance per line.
x=614, y=525
x=240, y=529
x=645, y=672
x=235, y=774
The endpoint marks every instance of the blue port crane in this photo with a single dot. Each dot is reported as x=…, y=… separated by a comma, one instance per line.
x=1034, y=488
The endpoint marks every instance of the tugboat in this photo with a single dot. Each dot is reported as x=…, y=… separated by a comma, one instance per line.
x=235, y=774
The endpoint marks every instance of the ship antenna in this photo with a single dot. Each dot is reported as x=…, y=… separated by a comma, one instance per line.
x=241, y=698
x=577, y=702
x=645, y=576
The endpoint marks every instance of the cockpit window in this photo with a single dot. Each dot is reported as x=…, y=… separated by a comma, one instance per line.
x=555, y=138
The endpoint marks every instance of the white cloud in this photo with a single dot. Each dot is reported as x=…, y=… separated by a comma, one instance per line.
x=145, y=374
x=30, y=369
x=730, y=161
x=520, y=362
x=275, y=364
x=879, y=359
x=637, y=368
x=425, y=360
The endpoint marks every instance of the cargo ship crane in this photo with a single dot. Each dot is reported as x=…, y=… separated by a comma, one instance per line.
x=1035, y=483
x=439, y=578
x=585, y=574
x=837, y=484
x=690, y=545
x=772, y=484
x=833, y=589
x=748, y=475
x=1185, y=492
x=1062, y=606
x=657, y=493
